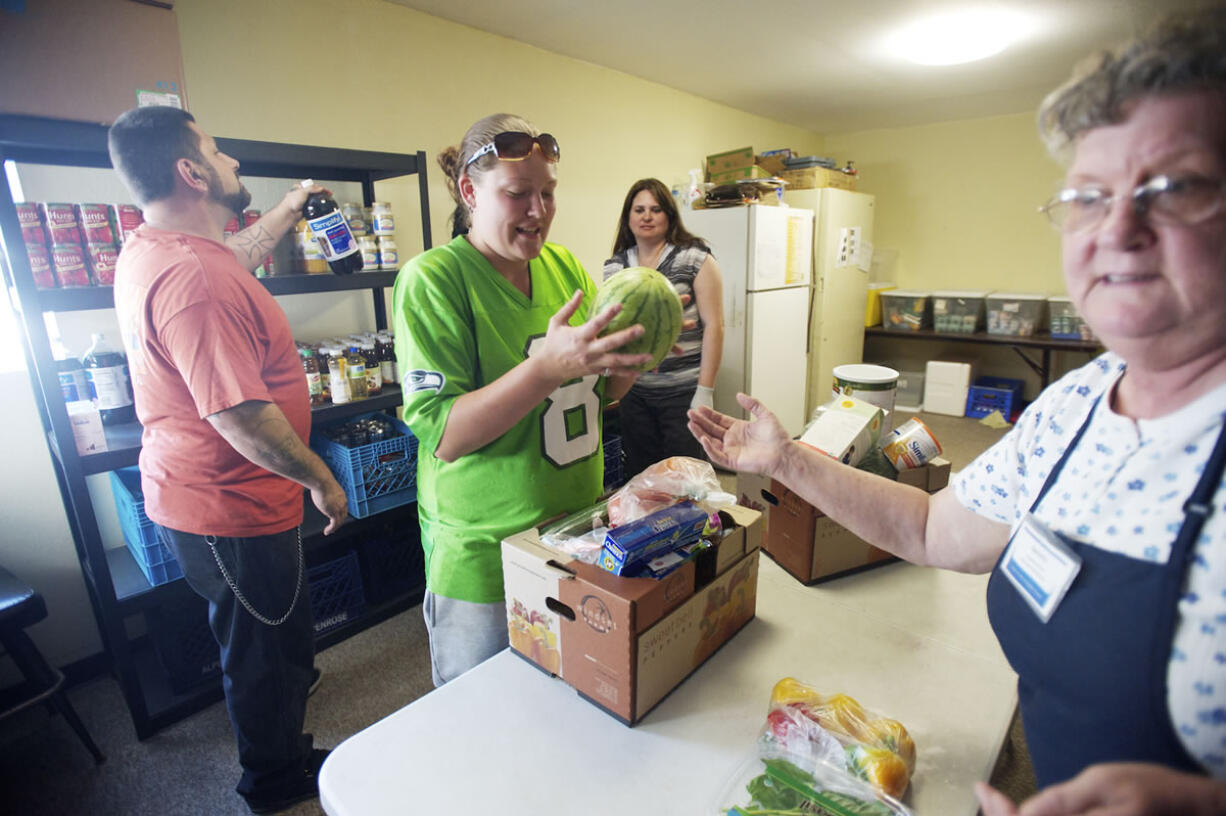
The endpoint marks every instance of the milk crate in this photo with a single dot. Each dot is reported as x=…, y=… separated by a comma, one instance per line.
x=990, y=394
x=152, y=556
x=376, y=476
x=392, y=561
x=184, y=644
x=336, y=592
x=613, y=457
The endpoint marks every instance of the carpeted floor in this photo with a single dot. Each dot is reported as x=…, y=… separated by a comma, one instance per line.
x=190, y=768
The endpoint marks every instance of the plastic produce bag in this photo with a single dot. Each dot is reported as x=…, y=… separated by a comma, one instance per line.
x=802, y=721
x=664, y=484
x=579, y=535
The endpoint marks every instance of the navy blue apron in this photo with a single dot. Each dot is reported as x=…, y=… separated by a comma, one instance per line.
x=1092, y=680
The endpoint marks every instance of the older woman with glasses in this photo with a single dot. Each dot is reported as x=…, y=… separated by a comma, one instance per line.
x=503, y=381
x=1101, y=516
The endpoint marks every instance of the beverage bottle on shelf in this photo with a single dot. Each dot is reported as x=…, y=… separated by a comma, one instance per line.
x=387, y=359
x=73, y=382
x=310, y=366
x=374, y=375
x=331, y=230
x=355, y=373
x=338, y=376
x=325, y=378
x=106, y=372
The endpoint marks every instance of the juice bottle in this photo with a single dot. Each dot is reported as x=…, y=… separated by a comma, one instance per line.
x=106, y=373
x=332, y=231
x=374, y=375
x=310, y=366
x=338, y=377
x=387, y=358
x=355, y=373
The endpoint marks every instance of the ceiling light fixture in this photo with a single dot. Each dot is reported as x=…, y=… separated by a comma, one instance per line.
x=958, y=36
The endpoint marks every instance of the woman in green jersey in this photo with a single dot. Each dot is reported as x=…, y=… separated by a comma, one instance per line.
x=504, y=379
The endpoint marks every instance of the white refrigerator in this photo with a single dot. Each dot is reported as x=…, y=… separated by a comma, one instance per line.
x=766, y=255
x=842, y=255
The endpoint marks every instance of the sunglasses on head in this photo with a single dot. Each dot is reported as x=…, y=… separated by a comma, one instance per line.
x=515, y=145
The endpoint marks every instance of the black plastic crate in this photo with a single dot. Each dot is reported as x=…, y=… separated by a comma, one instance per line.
x=613, y=459
x=336, y=592
x=392, y=561
x=184, y=644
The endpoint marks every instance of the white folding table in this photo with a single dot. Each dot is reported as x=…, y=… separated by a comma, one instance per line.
x=909, y=643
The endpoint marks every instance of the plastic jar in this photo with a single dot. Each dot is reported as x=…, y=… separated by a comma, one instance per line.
x=389, y=258
x=356, y=217
x=382, y=221
x=370, y=253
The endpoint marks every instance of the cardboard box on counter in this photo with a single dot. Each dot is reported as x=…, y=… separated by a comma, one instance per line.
x=625, y=643
x=809, y=178
x=812, y=546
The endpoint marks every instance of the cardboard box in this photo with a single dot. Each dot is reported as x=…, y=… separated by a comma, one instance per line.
x=739, y=173
x=90, y=61
x=729, y=160
x=773, y=163
x=749, y=493
x=813, y=547
x=625, y=643
x=809, y=178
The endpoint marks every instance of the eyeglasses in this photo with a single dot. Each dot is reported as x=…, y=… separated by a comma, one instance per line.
x=515, y=145
x=1185, y=200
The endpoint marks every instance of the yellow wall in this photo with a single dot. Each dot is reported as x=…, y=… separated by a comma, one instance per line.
x=957, y=201
x=407, y=81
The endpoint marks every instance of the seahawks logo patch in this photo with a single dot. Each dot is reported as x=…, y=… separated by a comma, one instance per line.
x=421, y=380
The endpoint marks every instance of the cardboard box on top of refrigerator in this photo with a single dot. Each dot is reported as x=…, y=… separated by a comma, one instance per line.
x=729, y=160
x=625, y=643
x=809, y=178
x=739, y=173
x=812, y=547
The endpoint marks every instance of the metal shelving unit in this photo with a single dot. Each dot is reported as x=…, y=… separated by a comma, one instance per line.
x=117, y=588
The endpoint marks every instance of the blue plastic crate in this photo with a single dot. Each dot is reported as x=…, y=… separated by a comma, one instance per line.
x=377, y=476
x=154, y=559
x=336, y=592
x=392, y=560
x=990, y=394
x=184, y=643
x=613, y=456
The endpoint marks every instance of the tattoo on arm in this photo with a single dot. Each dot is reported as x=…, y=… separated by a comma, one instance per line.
x=253, y=243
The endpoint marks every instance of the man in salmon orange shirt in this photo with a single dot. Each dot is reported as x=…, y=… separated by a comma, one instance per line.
x=222, y=397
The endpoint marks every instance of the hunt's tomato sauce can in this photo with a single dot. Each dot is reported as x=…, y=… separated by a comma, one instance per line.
x=94, y=224
x=125, y=218
x=69, y=263
x=31, y=223
x=61, y=223
x=40, y=266
x=102, y=259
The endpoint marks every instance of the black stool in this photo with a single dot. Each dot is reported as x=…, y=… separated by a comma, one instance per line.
x=21, y=606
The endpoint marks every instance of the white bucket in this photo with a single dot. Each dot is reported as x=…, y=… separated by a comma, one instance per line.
x=870, y=383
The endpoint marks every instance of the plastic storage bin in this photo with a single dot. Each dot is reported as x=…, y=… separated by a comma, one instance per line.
x=946, y=384
x=990, y=394
x=377, y=476
x=959, y=312
x=906, y=310
x=336, y=592
x=1064, y=321
x=1017, y=315
x=910, y=395
x=154, y=558
x=872, y=305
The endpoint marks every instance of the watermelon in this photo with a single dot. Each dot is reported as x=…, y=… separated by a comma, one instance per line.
x=648, y=298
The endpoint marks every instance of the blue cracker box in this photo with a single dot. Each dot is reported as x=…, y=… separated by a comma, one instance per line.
x=631, y=545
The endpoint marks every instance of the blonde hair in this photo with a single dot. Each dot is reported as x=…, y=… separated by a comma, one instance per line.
x=1179, y=53
x=454, y=159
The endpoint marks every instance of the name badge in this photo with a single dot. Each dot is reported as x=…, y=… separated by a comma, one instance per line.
x=1040, y=566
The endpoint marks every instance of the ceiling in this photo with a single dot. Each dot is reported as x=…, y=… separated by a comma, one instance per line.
x=816, y=64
